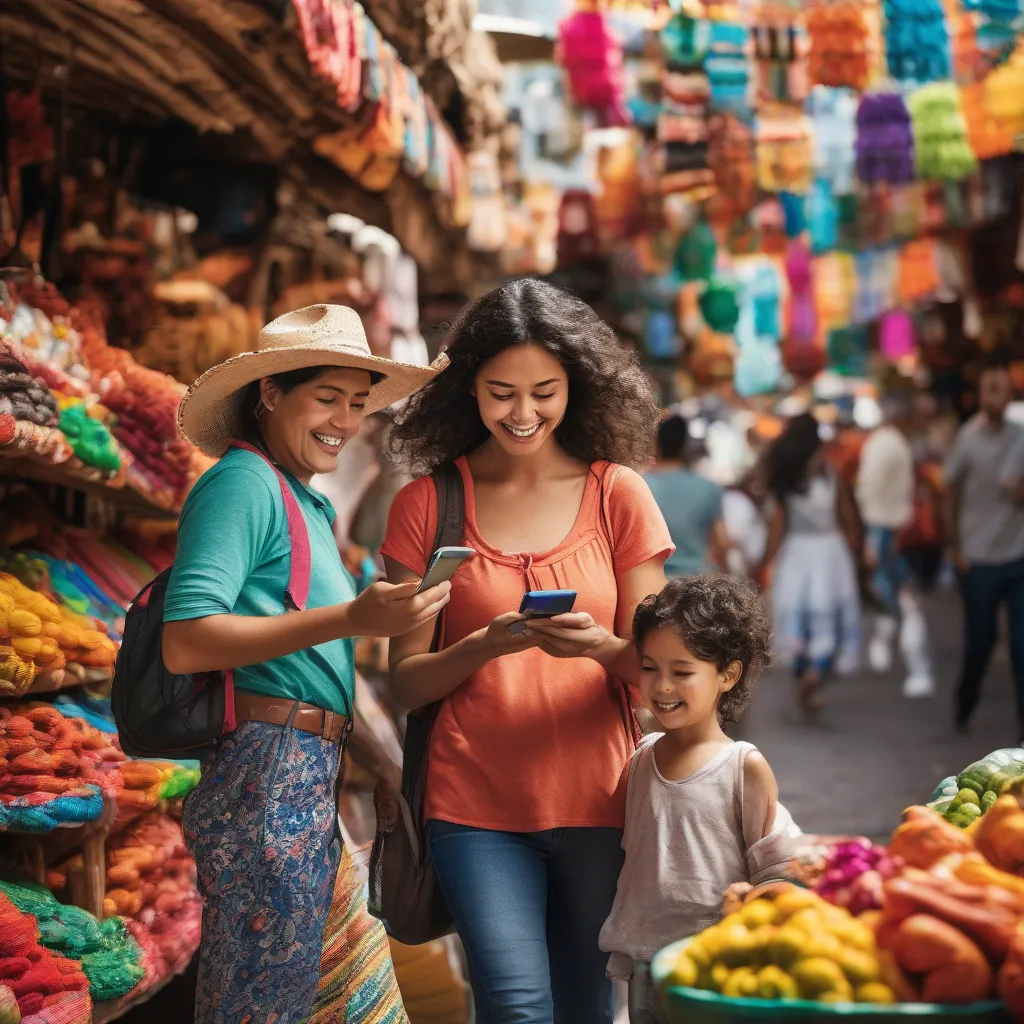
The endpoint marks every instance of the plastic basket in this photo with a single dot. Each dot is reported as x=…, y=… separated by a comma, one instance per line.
x=694, y=1006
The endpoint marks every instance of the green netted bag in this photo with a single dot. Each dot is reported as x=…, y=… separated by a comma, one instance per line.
x=719, y=305
x=110, y=957
x=696, y=254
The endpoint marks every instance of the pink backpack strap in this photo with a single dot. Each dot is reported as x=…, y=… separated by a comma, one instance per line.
x=298, y=535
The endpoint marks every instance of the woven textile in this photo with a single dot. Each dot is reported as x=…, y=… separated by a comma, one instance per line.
x=357, y=980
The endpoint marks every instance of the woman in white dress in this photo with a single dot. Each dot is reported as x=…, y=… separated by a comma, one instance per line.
x=814, y=526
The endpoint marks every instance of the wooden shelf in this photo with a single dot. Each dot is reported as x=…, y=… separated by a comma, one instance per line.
x=75, y=475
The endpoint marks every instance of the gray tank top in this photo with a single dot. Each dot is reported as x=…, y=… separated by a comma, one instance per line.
x=685, y=845
x=814, y=511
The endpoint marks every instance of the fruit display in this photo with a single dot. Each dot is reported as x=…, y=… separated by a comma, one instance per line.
x=931, y=922
x=964, y=798
x=790, y=946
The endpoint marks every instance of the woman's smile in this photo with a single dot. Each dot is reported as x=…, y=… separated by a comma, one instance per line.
x=330, y=443
x=518, y=433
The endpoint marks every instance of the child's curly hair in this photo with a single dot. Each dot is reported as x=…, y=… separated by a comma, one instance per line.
x=721, y=619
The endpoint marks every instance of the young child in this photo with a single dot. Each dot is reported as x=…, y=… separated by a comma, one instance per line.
x=702, y=811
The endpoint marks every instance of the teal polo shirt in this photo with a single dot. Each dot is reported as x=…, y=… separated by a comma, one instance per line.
x=234, y=557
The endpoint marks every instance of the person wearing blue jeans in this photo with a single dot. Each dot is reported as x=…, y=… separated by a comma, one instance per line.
x=985, y=589
x=554, y=888
x=985, y=520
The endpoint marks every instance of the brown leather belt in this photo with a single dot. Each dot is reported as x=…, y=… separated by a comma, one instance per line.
x=329, y=725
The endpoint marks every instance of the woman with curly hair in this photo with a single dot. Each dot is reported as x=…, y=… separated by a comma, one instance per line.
x=545, y=416
x=811, y=538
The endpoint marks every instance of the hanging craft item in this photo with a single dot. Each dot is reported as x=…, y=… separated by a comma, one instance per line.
x=696, y=253
x=989, y=136
x=848, y=350
x=578, y=239
x=877, y=270
x=780, y=53
x=833, y=113
x=941, y=148
x=731, y=157
x=1004, y=95
x=918, y=274
x=682, y=121
x=769, y=219
x=802, y=355
x=330, y=34
x=661, y=331
x=487, y=228
x=841, y=43
x=822, y=217
x=885, y=140
x=963, y=42
x=897, y=338
x=917, y=44
x=618, y=199
x=835, y=281
x=591, y=54
x=719, y=304
x=784, y=151
x=727, y=66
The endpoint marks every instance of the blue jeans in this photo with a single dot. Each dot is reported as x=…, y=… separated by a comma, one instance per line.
x=891, y=570
x=529, y=908
x=985, y=589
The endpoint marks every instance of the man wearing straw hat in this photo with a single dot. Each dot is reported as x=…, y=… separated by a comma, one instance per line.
x=261, y=823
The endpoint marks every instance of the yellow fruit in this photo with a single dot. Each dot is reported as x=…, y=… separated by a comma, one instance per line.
x=821, y=944
x=758, y=913
x=875, y=992
x=775, y=983
x=857, y=934
x=741, y=984
x=697, y=951
x=844, y=996
x=736, y=946
x=860, y=968
x=788, y=903
x=6, y=602
x=719, y=976
x=809, y=920
x=787, y=946
x=817, y=975
x=684, y=972
x=761, y=942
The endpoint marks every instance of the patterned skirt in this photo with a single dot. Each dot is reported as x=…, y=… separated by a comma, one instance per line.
x=261, y=826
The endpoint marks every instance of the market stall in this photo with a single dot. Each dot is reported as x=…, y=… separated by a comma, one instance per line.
x=928, y=925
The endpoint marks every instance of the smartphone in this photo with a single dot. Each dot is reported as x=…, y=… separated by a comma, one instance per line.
x=543, y=604
x=443, y=565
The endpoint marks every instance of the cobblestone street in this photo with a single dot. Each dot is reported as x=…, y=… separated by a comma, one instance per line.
x=872, y=753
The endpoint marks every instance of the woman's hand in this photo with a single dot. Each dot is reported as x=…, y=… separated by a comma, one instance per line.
x=573, y=635
x=499, y=640
x=386, y=610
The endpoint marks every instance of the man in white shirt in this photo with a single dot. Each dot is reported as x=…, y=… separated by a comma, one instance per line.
x=885, y=493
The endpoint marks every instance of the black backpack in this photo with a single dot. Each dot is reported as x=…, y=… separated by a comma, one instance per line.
x=161, y=714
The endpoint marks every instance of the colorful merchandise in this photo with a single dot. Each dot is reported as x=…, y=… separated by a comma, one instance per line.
x=108, y=954
x=48, y=987
x=885, y=140
x=785, y=158
x=917, y=45
x=841, y=43
x=833, y=113
x=592, y=56
x=941, y=147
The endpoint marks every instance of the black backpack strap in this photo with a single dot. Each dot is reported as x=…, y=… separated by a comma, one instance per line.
x=451, y=519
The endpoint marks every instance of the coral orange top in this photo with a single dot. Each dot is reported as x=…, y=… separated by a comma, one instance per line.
x=531, y=742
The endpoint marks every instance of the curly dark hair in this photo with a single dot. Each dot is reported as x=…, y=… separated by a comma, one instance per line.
x=721, y=619
x=612, y=413
x=791, y=454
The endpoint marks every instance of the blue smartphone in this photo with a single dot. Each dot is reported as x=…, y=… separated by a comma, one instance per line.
x=543, y=604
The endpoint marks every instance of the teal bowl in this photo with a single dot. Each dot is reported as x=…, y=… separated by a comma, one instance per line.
x=694, y=1006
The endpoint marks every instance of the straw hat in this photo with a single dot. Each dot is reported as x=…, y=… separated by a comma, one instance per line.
x=211, y=412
